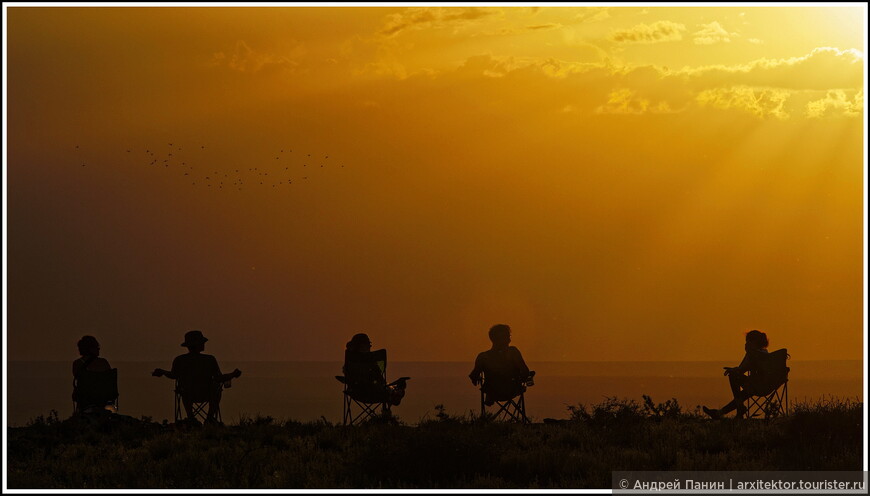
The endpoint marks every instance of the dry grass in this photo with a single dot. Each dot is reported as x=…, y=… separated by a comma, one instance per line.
x=444, y=452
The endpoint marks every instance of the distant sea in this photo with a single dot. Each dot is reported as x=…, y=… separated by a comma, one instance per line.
x=307, y=391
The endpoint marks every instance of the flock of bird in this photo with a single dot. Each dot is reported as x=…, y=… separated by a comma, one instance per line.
x=285, y=169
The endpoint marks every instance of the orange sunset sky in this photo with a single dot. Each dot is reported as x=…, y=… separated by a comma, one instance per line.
x=615, y=183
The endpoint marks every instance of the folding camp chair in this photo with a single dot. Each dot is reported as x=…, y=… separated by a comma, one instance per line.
x=95, y=391
x=200, y=403
x=770, y=391
x=510, y=401
x=365, y=386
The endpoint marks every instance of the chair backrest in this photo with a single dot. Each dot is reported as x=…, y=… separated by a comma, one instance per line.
x=502, y=374
x=365, y=371
x=96, y=388
x=199, y=390
x=196, y=376
x=502, y=387
x=771, y=371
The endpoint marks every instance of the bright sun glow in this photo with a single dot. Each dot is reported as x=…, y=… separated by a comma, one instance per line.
x=620, y=183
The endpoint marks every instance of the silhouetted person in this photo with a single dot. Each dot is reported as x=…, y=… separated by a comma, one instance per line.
x=199, y=376
x=90, y=395
x=743, y=386
x=502, y=366
x=368, y=379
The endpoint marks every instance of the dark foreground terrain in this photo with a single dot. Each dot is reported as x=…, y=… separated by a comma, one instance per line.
x=446, y=452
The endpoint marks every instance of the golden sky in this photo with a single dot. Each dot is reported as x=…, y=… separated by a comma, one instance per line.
x=615, y=183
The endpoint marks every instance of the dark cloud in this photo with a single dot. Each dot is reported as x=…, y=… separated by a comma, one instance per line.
x=649, y=33
x=428, y=17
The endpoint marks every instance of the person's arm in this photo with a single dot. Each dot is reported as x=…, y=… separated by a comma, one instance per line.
x=219, y=377
x=172, y=374
x=520, y=364
x=475, y=373
x=164, y=372
x=740, y=369
x=232, y=375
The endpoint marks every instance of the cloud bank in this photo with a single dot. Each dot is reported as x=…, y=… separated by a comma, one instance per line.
x=657, y=32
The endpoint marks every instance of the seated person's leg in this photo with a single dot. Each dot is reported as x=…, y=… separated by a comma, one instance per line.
x=736, y=381
x=214, y=405
x=736, y=403
x=501, y=391
x=188, y=406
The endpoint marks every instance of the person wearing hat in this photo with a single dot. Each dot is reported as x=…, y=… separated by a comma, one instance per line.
x=198, y=375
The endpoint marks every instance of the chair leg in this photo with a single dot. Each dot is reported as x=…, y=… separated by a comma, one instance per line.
x=755, y=406
x=360, y=415
x=502, y=410
x=771, y=405
x=367, y=411
x=197, y=408
x=507, y=410
x=511, y=410
x=522, y=409
x=345, y=407
x=785, y=393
